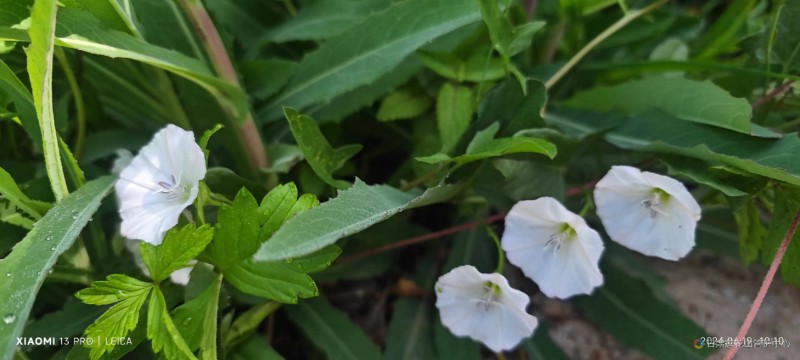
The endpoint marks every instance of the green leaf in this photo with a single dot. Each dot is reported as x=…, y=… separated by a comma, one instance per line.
x=115, y=288
x=654, y=131
x=264, y=78
x=697, y=101
x=23, y=101
x=626, y=308
x=331, y=331
x=786, y=43
x=275, y=280
x=453, y=114
x=355, y=209
x=699, y=173
x=255, y=348
x=11, y=192
x=78, y=29
x=161, y=331
x=523, y=36
x=484, y=146
x=410, y=334
x=31, y=258
x=40, y=69
x=787, y=204
x=320, y=20
x=236, y=231
x=178, y=248
x=514, y=110
x=499, y=28
x=371, y=49
x=128, y=296
x=69, y=321
x=200, y=332
x=354, y=100
x=246, y=324
x=323, y=158
x=751, y=232
x=403, y=104
x=475, y=68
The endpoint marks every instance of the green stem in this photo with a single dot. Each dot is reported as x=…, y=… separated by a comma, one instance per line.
x=771, y=41
x=622, y=22
x=246, y=130
x=77, y=95
x=500, y=255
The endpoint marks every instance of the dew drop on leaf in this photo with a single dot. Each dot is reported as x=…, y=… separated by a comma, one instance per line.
x=48, y=238
x=187, y=321
x=9, y=318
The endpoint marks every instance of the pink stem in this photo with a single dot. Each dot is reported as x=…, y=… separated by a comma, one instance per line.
x=762, y=292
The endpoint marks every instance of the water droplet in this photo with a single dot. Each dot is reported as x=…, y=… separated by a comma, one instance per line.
x=50, y=271
x=53, y=248
x=48, y=238
x=8, y=274
x=91, y=219
x=74, y=216
x=187, y=321
x=9, y=318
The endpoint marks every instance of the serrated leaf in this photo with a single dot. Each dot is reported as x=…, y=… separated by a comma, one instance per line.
x=11, y=192
x=275, y=280
x=200, y=332
x=236, y=231
x=31, y=258
x=369, y=50
x=323, y=158
x=403, y=104
x=178, y=248
x=484, y=146
x=626, y=308
x=116, y=287
x=161, y=331
x=355, y=209
x=696, y=101
x=128, y=296
x=453, y=114
x=331, y=331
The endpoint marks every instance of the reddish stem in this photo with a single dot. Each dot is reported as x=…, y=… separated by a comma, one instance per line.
x=775, y=92
x=451, y=230
x=762, y=292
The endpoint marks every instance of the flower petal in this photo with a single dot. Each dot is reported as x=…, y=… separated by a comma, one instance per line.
x=624, y=199
x=469, y=306
x=571, y=268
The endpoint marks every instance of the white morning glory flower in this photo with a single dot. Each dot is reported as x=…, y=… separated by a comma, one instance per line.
x=554, y=247
x=483, y=307
x=650, y=213
x=159, y=183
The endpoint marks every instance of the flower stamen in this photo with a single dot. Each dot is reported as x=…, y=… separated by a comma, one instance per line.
x=654, y=205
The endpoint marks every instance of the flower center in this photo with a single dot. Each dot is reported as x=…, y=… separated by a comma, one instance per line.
x=656, y=203
x=491, y=295
x=556, y=240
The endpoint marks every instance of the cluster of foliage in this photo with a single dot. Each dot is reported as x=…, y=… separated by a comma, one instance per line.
x=360, y=123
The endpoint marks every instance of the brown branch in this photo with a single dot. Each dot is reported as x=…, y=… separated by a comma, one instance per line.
x=775, y=92
x=246, y=131
x=762, y=292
